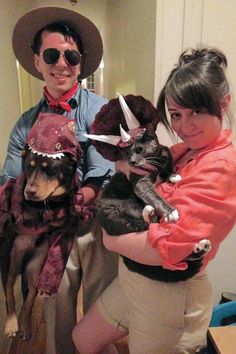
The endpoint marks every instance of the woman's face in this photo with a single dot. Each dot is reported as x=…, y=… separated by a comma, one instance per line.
x=197, y=129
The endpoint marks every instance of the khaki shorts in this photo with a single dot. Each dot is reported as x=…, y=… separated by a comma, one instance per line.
x=161, y=318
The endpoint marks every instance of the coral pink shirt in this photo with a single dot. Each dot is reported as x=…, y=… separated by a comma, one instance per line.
x=205, y=198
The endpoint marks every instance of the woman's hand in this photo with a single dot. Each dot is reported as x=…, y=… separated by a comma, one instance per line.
x=123, y=166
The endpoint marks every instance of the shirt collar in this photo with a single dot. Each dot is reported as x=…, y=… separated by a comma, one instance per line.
x=224, y=139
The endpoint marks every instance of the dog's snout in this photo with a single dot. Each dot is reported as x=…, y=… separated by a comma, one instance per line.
x=30, y=191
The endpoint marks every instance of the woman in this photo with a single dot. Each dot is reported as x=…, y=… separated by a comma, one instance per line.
x=162, y=317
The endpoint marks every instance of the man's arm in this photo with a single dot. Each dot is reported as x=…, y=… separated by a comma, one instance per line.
x=12, y=166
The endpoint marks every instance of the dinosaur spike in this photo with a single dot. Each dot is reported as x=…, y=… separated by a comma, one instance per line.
x=131, y=120
x=125, y=137
x=109, y=139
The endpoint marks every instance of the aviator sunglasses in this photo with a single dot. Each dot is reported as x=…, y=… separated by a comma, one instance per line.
x=52, y=55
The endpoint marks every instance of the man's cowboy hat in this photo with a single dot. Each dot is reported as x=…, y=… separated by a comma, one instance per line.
x=30, y=23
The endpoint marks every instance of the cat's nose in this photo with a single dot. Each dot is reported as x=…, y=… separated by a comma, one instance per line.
x=131, y=162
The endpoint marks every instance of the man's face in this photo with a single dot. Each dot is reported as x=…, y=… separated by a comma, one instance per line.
x=61, y=76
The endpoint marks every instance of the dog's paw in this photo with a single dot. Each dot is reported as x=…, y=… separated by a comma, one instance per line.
x=148, y=211
x=43, y=295
x=175, y=178
x=11, y=327
x=172, y=216
x=25, y=328
x=202, y=247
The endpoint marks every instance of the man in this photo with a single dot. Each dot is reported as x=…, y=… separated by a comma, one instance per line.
x=62, y=47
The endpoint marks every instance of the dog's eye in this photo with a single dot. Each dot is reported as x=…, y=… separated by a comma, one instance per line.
x=30, y=165
x=51, y=172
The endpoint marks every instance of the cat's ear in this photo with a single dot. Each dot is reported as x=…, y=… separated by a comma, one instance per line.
x=149, y=133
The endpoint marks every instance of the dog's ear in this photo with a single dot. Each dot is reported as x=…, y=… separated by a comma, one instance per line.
x=79, y=153
x=73, y=160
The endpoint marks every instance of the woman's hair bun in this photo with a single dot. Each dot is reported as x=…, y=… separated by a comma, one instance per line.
x=209, y=54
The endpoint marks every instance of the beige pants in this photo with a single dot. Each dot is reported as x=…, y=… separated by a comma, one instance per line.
x=89, y=264
x=162, y=318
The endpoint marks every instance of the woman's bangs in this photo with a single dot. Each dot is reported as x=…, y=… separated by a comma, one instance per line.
x=192, y=93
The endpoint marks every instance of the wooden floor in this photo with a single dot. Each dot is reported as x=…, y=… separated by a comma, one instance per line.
x=36, y=345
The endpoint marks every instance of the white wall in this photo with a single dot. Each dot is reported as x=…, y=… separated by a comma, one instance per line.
x=130, y=47
x=9, y=92
x=182, y=24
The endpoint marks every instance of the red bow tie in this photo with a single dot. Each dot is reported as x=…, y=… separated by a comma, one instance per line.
x=61, y=102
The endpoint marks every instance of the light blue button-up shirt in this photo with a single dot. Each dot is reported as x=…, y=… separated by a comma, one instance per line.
x=93, y=165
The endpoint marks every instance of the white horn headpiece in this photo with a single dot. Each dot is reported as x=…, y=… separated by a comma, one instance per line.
x=109, y=139
x=130, y=118
x=125, y=137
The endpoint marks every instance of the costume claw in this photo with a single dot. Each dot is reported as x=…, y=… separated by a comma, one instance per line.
x=175, y=178
x=148, y=211
x=203, y=246
x=172, y=217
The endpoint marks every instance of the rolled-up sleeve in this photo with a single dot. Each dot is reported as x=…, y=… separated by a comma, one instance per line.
x=92, y=165
x=13, y=163
x=206, y=202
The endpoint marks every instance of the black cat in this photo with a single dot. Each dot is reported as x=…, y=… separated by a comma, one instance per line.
x=122, y=206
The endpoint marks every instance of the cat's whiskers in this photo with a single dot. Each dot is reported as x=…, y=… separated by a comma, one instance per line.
x=156, y=161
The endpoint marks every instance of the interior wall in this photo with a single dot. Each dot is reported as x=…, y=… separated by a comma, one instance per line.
x=218, y=29
x=182, y=24
x=130, y=47
x=9, y=89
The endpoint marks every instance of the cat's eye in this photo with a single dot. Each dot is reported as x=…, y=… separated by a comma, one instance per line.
x=139, y=149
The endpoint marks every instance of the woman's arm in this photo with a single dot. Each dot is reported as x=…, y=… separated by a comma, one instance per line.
x=205, y=199
x=133, y=245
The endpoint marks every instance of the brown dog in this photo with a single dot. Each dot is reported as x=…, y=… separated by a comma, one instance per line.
x=38, y=205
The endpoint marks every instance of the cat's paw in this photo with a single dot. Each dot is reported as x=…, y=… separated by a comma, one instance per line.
x=199, y=250
x=202, y=247
x=148, y=212
x=172, y=216
x=174, y=178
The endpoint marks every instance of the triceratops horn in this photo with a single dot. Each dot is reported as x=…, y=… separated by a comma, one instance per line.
x=125, y=137
x=131, y=120
x=109, y=139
